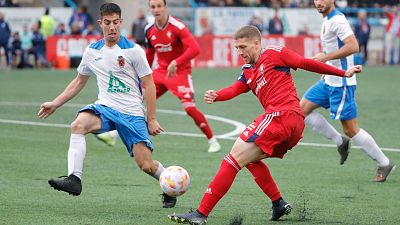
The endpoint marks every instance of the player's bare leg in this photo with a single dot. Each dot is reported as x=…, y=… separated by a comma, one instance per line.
x=84, y=123
x=202, y=123
x=143, y=158
x=241, y=155
x=369, y=146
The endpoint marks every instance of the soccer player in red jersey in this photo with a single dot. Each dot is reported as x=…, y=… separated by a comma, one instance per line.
x=267, y=74
x=173, y=44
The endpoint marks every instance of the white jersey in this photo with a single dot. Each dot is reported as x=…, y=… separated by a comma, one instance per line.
x=118, y=70
x=335, y=29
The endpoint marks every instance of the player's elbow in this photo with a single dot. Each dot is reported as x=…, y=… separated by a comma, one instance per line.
x=196, y=50
x=355, y=48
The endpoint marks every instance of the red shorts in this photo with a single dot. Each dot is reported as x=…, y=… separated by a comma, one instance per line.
x=180, y=85
x=275, y=133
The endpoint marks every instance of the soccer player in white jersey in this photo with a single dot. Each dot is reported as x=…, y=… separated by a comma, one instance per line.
x=339, y=44
x=120, y=67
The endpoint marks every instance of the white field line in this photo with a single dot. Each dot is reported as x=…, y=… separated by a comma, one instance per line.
x=227, y=136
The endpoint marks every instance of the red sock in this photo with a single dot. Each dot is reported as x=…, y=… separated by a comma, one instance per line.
x=263, y=178
x=200, y=121
x=220, y=185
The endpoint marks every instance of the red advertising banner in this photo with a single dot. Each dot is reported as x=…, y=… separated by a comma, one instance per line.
x=67, y=46
x=217, y=51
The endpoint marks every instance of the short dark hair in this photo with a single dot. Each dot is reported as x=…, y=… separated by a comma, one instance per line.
x=108, y=9
x=165, y=2
x=248, y=31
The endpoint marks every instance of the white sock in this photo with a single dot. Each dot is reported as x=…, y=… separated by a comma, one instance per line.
x=76, y=154
x=212, y=140
x=160, y=169
x=319, y=124
x=114, y=134
x=369, y=146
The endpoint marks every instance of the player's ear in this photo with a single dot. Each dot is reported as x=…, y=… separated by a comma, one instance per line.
x=99, y=21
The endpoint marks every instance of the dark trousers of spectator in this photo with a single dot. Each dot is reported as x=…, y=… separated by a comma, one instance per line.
x=364, y=52
x=6, y=52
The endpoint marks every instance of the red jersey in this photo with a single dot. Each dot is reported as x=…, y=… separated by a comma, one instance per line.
x=271, y=81
x=173, y=42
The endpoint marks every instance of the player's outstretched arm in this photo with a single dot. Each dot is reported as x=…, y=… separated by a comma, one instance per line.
x=210, y=96
x=73, y=88
x=350, y=46
x=227, y=93
x=150, y=96
x=353, y=70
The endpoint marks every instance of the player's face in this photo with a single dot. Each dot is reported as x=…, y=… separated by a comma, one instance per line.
x=323, y=6
x=248, y=49
x=111, y=27
x=158, y=9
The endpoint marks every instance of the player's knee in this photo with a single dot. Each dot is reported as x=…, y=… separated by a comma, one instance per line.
x=350, y=132
x=78, y=128
x=146, y=166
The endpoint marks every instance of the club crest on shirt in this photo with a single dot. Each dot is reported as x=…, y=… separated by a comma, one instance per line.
x=262, y=69
x=121, y=61
x=169, y=34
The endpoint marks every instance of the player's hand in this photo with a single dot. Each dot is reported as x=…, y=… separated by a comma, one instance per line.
x=353, y=70
x=154, y=127
x=172, y=67
x=46, y=109
x=210, y=96
x=320, y=57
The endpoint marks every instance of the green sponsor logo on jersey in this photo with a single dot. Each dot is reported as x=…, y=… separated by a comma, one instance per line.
x=116, y=85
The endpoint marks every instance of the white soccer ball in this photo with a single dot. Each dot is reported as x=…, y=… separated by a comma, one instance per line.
x=174, y=181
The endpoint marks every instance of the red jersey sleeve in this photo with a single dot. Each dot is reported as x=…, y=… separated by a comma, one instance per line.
x=150, y=52
x=294, y=61
x=232, y=91
x=192, y=49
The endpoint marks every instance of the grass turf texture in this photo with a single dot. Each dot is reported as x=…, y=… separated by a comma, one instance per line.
x=115, y=191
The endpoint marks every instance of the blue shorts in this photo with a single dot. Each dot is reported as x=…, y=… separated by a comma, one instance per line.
x=340, y=100
x=131, y=129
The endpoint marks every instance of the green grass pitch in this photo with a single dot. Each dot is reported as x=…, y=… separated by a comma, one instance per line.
x=115, y=191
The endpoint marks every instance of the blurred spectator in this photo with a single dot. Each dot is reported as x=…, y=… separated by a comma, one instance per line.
x=90, y=30
x=75, y=29
x=362, y=31
x=16, y=51
x=230, y=3
x=47, y=24
x=206, y=25
x=304, y=31
x=60, y=30
x=215, y=3
x=201, y=2
x=26, y=44
x=138, y=26
x=39, y=46
x=7, y=3
x=392, y=35
x=257, y=22
x=275, y=25
x=80, y=18
x=255, y=3
x=5, y=33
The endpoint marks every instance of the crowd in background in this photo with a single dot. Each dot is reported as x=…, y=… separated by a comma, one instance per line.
x=26, y=48
x=294, y=3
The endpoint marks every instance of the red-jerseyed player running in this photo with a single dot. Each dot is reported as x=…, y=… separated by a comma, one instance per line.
x=267, y=74
x=173, y=44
